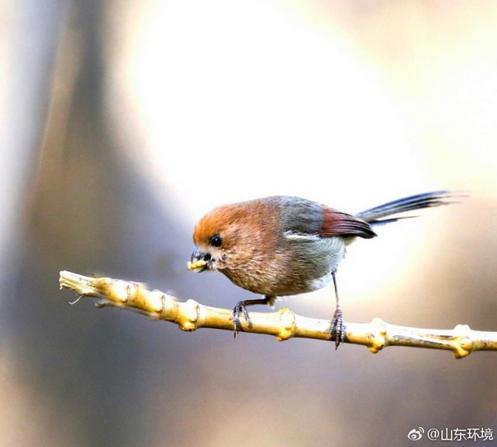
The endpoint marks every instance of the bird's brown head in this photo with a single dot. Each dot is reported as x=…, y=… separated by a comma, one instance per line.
x=230, y=237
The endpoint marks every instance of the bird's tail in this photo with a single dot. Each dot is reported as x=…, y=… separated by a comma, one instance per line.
x=390, y=212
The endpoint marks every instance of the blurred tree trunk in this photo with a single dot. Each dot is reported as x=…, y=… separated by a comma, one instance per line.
x=27, y=50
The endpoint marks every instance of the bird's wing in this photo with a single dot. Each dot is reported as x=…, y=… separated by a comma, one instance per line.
x=307, y=220
x=336, y=223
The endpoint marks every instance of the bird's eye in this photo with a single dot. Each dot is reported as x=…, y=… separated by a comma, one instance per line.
x=216, y=240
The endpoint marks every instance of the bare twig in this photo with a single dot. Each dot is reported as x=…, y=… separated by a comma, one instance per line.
x=284, y=324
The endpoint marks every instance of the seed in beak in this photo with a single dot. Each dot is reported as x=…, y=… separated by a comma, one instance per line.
x=197, y=266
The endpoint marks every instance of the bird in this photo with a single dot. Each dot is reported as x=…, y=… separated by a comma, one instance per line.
x=284, y=245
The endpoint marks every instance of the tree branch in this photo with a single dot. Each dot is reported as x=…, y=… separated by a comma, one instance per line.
x=283, y=324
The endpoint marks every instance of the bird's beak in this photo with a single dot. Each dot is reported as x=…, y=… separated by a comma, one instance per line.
x=198, y=262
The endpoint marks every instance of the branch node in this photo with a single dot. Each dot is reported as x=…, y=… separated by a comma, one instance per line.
x=377, y=339
x=188, y=315
x=119, y=291
x=157, y=302
x=462, y=343
x=288, y=326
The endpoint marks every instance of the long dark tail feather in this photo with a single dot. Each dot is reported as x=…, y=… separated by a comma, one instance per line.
x=380, y=215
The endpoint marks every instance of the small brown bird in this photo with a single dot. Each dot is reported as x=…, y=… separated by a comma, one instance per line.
x=278, y=246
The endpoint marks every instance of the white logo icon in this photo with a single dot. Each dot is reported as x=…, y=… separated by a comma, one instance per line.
x=416, y=434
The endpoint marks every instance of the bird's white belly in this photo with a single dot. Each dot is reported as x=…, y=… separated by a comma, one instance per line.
x=319, y=283
x=332, y=251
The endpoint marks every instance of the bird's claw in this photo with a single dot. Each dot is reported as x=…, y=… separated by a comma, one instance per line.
x=239, y=309
x=337, y=331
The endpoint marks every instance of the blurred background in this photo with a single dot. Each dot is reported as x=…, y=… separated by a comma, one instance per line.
x=122, y=122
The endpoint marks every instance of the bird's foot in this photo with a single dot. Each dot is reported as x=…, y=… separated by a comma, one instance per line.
x=239, y=309
x=337, y=331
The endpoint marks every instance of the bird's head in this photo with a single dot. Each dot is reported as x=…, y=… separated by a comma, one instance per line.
x=229, y=237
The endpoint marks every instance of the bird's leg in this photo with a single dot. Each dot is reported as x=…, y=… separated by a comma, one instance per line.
x=337, y=325
x=241, y=309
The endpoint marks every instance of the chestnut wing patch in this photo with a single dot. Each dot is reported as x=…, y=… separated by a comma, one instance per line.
x=336, y=223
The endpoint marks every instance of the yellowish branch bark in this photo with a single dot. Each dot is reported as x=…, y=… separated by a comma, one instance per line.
x=284, y=324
